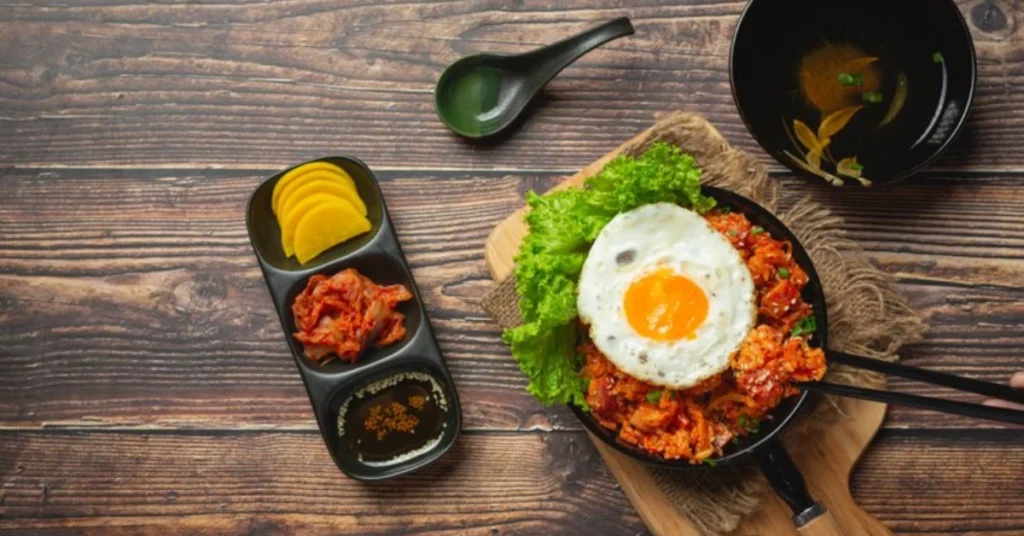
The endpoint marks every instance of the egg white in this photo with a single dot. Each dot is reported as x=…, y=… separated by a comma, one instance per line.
x=666, y=236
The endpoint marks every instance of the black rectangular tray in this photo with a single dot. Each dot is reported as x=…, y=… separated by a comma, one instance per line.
x=377, y=255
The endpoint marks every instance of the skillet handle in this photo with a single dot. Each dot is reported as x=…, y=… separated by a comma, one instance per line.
x=823, y=525
x=810, y=517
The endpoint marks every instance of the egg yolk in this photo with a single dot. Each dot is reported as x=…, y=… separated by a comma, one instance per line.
x=665, y=306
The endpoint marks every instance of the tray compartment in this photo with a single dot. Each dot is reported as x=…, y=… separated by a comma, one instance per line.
x=265, y=233
x=340, y=447
x=383, y=268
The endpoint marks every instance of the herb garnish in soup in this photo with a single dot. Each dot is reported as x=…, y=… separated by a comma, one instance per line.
x=854, y=100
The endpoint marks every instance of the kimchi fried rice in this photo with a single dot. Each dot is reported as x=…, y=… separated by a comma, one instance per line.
x=696, y=424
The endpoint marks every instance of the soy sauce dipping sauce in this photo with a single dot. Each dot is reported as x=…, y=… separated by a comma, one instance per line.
x=393, y=419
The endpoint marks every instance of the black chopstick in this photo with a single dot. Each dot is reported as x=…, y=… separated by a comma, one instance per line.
x=990, y=389
x=936, y=404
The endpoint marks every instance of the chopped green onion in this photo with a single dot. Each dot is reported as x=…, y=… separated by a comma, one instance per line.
x=733, y=232
x=850, y=79
x=757, y=230
x=937, y=57
x=784, y=273
x=654, y=396
x=710, y=462
x=807, y=325
x=872, y=97
x=748, y=423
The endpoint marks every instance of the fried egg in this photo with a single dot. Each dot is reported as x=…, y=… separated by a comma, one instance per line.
x=668, y=299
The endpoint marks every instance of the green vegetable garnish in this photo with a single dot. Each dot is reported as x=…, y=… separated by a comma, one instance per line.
x=563, y=224
x=710, y=462
x=806, y=325
x=872, y=97
x=856, y=166
x=937, y=57
x=784, y=273
x=748, y=423
x=850, y=79
x=654, y=396
x=757, y=230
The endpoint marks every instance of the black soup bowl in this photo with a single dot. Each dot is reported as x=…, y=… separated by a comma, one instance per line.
x=763, y=447
x=883, y=87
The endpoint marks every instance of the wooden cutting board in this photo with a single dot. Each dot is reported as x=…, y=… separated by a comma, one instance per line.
x=825, y=466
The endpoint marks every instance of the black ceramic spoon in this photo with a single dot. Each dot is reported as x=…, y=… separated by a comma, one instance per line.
x=482, y=94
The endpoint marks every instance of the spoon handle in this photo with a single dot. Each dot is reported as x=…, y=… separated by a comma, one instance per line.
x=550, y=60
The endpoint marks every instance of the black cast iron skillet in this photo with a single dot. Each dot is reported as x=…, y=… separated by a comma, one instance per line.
x=763, y=447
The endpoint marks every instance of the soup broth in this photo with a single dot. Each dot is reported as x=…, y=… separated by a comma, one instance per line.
x=861, y=92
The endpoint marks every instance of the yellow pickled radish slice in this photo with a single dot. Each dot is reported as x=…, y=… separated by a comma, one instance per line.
x=290, y=220
x=322, y=186
x=315, y=175
x=325, y=226
x=292, y=176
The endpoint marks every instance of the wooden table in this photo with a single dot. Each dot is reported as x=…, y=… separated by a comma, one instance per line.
x=144, y=382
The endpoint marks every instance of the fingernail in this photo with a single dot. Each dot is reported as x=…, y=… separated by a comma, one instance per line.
x=1003, y=404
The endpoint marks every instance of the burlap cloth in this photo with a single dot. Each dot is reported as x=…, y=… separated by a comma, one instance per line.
x=866, y=315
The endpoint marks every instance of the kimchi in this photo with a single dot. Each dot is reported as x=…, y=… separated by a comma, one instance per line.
x=340, y=316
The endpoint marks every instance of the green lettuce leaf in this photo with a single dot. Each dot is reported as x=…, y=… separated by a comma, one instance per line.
x=548, y=357
x=563, y=224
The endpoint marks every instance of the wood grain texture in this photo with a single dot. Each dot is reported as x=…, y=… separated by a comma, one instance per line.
x=937, y=482
x=284, y=483
x=137, y=292
x=826, y=461
x=274, y=483
x=247, y=83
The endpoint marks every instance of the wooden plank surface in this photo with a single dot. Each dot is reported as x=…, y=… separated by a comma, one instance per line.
x=144, y=384
x=531, y=483
x=493, y=483
x=240, y=83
